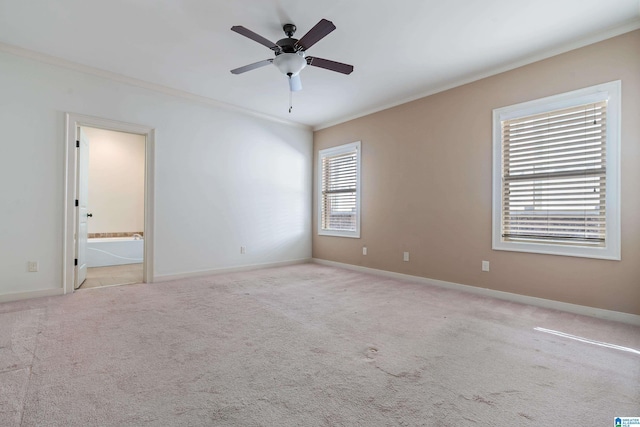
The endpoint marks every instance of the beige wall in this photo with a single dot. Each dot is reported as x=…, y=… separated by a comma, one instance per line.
x=426, y=184
x=116, y=181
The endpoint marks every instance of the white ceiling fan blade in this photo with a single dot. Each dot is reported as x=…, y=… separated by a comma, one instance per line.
x=295, y=84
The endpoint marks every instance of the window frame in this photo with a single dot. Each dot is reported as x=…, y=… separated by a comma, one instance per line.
x=330, y=152
x=612, y=92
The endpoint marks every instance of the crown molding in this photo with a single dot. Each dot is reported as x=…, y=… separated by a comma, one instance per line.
x=59, y=62
x=564, y=48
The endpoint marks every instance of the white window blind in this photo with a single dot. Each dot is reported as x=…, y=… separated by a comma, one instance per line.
x=554, y=177
x=339, y=188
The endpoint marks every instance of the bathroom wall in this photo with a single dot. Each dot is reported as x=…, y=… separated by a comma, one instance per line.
x=116, y=181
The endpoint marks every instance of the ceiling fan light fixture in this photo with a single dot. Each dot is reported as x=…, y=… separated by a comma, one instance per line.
x=290, y=64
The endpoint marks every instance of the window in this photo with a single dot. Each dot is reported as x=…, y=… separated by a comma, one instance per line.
x=556, y=174
x=339, y=191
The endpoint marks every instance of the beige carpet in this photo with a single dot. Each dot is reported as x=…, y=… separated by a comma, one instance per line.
x=307, y=345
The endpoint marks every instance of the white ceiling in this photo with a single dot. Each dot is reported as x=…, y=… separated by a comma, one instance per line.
x=401, y=50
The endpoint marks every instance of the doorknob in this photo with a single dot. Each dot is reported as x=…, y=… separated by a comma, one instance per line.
x=89, y=215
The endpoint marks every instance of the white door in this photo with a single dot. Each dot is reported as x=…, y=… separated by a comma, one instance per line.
x=82, y=214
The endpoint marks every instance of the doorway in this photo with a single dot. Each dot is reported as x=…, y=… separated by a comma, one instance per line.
x=108, y=240
x=111, y=169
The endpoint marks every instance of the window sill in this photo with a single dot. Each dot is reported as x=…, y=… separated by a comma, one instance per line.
x=612, y=254
x=350, y=234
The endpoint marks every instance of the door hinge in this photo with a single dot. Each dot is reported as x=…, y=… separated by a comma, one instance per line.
x=75, y=261
x=76, y=202
x=77, y=144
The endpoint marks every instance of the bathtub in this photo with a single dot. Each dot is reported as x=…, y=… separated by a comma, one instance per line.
x=102, y=252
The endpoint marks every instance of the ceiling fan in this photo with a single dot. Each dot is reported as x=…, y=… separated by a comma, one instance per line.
x=290, y=53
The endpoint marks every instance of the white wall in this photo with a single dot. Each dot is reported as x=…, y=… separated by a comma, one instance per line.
x=116, y=181
x=223, y=178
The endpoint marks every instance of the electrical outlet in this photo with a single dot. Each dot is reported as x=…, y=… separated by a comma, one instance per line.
x=33, y=266
x=243, y=250
x=485, y=265
x=406, y=257
x=364, y=250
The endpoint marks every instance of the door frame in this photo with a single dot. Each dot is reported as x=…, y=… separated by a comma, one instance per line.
x=73, y=121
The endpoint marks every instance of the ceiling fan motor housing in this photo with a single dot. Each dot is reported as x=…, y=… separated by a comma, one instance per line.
x=287, y=45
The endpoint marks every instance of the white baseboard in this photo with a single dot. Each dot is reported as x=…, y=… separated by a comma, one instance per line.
x=17, y=296
x=522, y=299
x=200, y=273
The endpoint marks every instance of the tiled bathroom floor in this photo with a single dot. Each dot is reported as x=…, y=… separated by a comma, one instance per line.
x=113, y=275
